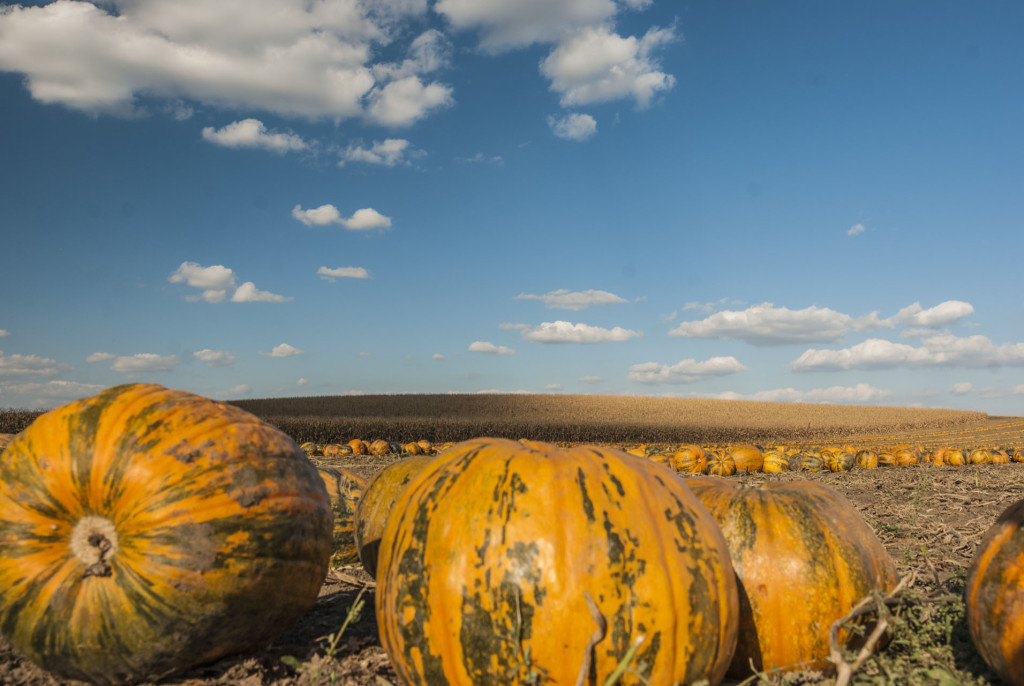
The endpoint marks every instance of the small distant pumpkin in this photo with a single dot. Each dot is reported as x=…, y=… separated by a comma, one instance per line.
x=839, y=461
x=332, y=450
x=380, y=447
x=866, y=459
x=426, y=446
x=412, y=449
x=748, y=458
x=979, y=456
x=345, y=490
x=359, y=447
x=999, y=456
x=886, y=458
x=954, y=457
x=904, y=457
x=691, y=459
x=721, y=463
x=775, y=461
x=806, y=462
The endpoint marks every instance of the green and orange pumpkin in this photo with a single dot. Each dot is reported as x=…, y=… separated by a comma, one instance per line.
x=994, y=595
x=144, y=531
x=509, y=563
x=866, y=459
x=345, y=489
x=691, y=459
x=720, y=463
x=378, y=502
x=804, y=557
x=747, y=458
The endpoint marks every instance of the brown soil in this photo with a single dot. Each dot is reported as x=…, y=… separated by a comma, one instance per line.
x=929, y=518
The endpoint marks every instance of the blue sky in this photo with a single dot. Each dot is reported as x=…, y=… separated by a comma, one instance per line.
x=794, y=201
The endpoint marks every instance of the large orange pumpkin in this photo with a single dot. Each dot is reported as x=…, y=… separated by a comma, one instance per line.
x=994, y=595
x=144, y=531
x=4, y=440
x=345, y=490
x=747, y=458
x=378, y=502
x=804, y=558
x=496, y=551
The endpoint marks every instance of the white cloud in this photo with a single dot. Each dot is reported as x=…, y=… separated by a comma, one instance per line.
x=428, y=52
x=28, y=366
x=389, y=152
x=283, y=350
x=215, y=358
x=855, y=230
x=4, y=333
x=251, y=133
x=248, y=293
x=595, y=64
x=291, y=57
x=684, y=371
x=489, y=348
x=564, y=299
x=237, y=391
x=437, y=356
x=407, y=100
x=302, y=382
x=591, y=379
x=967, y=388
x=553, y=387
x=101, y=357
x=144, y=362
x=947, y=312
x=481, y=158
x=573, y=127
x=342, y=273
x=507, y=25
x=859, y=394
x=361, y=220
x=214, y=280
x=46, y=394
x=937, y=350
x=766, y=324
x=567, y=332
x=962, y=388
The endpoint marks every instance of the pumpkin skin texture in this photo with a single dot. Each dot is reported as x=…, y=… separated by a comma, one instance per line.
x=775, y=461
x=748, y=458
x=345, y=489
x=830, y=557
x=378, y=502
x=994, y=596
x=144, y=531
x=720, y=463
x=487, y=562
x=866, y=459
x=691, y=459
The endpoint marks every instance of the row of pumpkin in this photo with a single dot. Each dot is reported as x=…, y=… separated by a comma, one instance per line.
x=145, y=531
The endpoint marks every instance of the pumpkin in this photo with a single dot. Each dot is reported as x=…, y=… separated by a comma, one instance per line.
x=332, y=450
x=345, y=489
x=380, y=447
x=4, y=440
x=748, y=458
x=720, y=463
x=994, y=596
x=425, y=446
x=775, y=461
x=412, y=449
x=805, y=462
x=999, y=456
x=144, y=531
x=358, y=446
x=664, y=460
x=979, y=456
x=377, y=503
x=310, y=448
x=1016, y=454
x=904, y=457
x=886, y=458
x=838, y=461
x=866, y=459
x=954, y=457
x=804, y=557
x=691, y=459
x=513, y=563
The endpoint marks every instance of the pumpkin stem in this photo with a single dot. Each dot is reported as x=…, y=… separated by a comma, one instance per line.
x=94, y=542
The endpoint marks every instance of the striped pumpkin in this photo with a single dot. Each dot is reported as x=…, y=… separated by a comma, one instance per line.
x=886, y=458
x=904, y=457
x=691, y=459
x=999, y=456
x=496, y=551
x=720, y=463
x=838, y=461
x=979, y=456
x=345, y=489
x=775, y=461
x=804, y=558
x=806, y=462
x=378, y=502
x=954, y=457
x=1016, y=454
x=144, y=531
x=994, y=596
x=866, y=459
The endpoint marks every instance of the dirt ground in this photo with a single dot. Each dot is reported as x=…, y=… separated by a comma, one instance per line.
x=930, y=519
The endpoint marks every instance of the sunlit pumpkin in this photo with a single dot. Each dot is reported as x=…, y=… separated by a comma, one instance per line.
x=720, y=463
x=804, y=558
x=378, y=502
x=994, y=595
x=359, y=446
x=775, y=461
x=904, y=457
x=838, y=460
x=691, y=459
x=954, y=457
x=866, y=459
x=496, y=549
x=999, y=456
x=979, y=456
x=747, y=458
x=144, y=531
x=426, y=446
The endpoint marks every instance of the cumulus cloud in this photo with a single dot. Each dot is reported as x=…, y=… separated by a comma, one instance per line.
x=564, y=299
x=283, y=350
x=291, y=57
x=490, y=348
x=505, y=25
x=944, y=313
x=591, y=379
x=684, y=371
x=4, y=333
x=573, y=127
x=248, y=293
x=766, y=325
x=342, y=273
x=389, y=152
x=215, y=358
x=28, y=366
x=215, y=281
x=967, y=388
x=251, y=133
x=437, y=356
x=144, y=362
x=860, y=394
x=101, y=357
x=939, y=350
x=595, y=64
x=567, y=332
x=361, y=220
x=855, y=230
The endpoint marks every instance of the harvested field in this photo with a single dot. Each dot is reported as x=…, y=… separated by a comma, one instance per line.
x=930, y=519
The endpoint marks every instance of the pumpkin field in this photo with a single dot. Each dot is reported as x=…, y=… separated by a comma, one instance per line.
x=941, y=481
